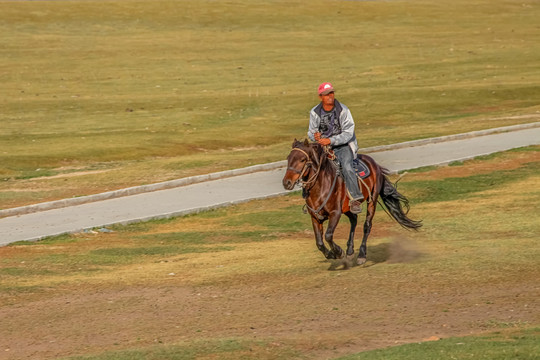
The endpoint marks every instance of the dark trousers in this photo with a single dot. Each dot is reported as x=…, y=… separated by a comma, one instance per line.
x=345, y=156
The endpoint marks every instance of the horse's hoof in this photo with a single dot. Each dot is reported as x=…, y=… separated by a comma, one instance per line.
x=361, y=261
x=330, y=256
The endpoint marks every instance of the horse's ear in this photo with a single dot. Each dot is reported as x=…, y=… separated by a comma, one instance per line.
x=306, y=142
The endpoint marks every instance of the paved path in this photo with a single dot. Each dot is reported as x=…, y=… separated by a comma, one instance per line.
x=206, y=195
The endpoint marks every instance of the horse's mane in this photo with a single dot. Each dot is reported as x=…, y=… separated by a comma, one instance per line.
x=326, y=163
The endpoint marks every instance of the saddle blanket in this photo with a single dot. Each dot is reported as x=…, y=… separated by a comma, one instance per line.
x=360, y=168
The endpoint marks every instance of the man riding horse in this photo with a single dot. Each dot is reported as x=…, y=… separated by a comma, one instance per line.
x=331, y=124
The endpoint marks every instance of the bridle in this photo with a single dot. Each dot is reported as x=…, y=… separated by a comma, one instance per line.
x=306, y=166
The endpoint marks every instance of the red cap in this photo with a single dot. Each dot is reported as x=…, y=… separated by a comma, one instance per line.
x=325, y=88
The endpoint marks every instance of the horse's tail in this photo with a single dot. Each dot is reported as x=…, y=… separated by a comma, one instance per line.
x=397, y=204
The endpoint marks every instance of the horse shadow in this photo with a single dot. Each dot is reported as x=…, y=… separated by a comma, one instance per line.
x=377, y=254
x=399, y=250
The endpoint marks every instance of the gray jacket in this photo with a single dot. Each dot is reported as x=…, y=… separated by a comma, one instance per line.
x=346, y=125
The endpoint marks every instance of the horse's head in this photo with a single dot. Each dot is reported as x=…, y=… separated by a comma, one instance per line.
x=300, y=160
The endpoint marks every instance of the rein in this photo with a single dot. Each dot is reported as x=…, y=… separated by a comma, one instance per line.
x=316, y=212
x=312, y=179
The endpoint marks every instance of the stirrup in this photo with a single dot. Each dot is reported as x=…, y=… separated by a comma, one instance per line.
x=355, y=206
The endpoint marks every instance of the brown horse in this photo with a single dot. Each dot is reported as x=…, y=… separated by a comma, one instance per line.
x=326, y=196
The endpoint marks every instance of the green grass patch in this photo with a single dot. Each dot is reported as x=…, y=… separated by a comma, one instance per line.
x=49, y=240
x=115, y=256
x=119, y=255
x=35, y=173
x=141, y=227
x=227, y=349
x=419, y=170
x=284, y=220
x=17, y=271
x=180, y=238
x=518, y=344
x=466, y=187
x=190, y=239
x=21, y=290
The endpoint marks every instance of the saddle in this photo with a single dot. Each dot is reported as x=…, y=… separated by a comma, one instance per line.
x=360, y=168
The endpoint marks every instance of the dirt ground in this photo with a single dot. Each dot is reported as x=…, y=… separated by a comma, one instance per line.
x=323, y=320
x=279, y=293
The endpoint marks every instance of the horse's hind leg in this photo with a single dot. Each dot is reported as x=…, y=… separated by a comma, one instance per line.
x=370, y=212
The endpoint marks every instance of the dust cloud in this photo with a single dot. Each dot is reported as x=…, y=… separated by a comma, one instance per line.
x=403, y=250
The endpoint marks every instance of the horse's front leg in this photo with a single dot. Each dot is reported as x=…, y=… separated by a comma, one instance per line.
x=318, y=230
x=362, y=255
x=329, y=235
x=353, y=219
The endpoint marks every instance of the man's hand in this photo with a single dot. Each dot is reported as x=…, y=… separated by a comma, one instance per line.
x=324, y=141
x=317, y=136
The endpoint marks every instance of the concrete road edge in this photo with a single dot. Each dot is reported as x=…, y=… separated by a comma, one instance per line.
x=235, y=172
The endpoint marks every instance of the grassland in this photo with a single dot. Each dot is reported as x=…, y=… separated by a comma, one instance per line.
x=247, y=281
x=100, y=95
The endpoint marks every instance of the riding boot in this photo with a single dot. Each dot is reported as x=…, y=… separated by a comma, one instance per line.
x=356, y=206
x=345, y=157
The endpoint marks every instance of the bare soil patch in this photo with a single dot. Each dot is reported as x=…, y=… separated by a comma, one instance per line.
x=344, y=314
